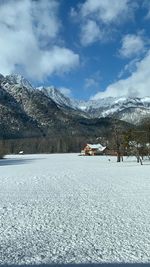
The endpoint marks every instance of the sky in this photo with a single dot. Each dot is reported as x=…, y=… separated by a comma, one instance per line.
x=89, y=49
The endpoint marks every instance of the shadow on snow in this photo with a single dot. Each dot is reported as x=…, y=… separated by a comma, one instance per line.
x=11, y=161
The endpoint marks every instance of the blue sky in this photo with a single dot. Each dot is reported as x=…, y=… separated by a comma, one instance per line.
x=88, y=48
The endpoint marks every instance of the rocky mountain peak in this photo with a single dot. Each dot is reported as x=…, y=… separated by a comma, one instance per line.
x=18, y=80
x=58, y=97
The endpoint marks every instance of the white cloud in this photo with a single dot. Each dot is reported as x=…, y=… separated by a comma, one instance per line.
x=93, y=81
x=44, y=14
x=132, y=45
x=102, y=17
x=146, y=5
x=29, y=39
x=148, y=15
x=129, y=67
x=137, y=84
x=90, y=32
x=58, y=60
x=90, y=82
x=66, y=91
x=73, y=13
x=106, y=11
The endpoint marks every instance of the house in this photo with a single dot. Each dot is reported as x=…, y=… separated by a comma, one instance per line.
x=94, y=149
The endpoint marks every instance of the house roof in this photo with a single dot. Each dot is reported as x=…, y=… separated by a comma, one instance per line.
x=97, y=146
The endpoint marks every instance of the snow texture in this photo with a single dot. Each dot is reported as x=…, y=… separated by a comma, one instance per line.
x=19, y=80
x=63, y=208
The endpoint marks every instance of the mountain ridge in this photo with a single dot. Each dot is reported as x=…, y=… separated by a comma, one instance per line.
x=28, y=112
x=129, y=109
x=104, y=107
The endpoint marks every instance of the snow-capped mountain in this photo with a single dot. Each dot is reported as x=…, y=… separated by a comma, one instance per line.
x=56, y=95
x=65, y=103
x=29, y=112
x=62, y=100
x=16, y=79
x=129, y=109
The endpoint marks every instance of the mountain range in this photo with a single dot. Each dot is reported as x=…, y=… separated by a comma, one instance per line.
x=131, y=109
x=26, y=111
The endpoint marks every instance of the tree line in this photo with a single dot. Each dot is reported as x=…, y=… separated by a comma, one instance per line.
x=131, y=142
x=64, y=144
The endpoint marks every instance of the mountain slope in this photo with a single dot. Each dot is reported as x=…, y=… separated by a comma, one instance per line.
x=34, y=104
x=13, y=120
x=28, y=112
x=130, y=109
x=69, y=106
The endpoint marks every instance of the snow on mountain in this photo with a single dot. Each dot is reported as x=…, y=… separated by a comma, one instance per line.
x=58, y=97
x=129, y=109
x=94, y=104
x=132, y=110
x=62, y=100
x=134, y=115
x=111, y=104
x=28, y=112
x=17, y=80
x=123, y=104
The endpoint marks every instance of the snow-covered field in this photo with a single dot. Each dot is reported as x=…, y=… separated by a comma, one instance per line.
x=63, y=208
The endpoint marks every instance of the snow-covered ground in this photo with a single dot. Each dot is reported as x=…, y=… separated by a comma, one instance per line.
x=63, y=208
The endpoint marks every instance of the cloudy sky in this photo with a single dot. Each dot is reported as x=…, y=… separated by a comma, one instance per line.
x=88, y=48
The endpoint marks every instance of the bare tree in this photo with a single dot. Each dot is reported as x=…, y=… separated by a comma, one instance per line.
x=137, y=144
x=118, y=142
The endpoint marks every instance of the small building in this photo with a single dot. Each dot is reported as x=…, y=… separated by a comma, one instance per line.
x=94, y=149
